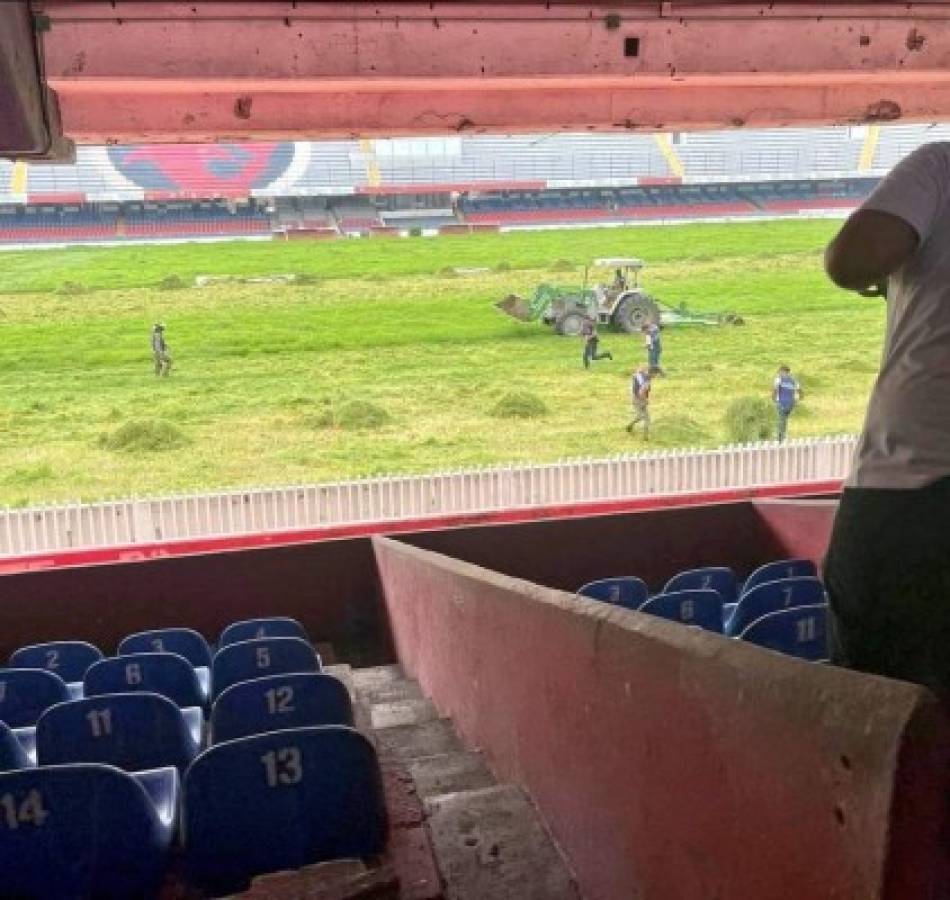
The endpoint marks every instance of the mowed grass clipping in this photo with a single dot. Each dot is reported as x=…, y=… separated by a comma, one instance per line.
x=387, y=359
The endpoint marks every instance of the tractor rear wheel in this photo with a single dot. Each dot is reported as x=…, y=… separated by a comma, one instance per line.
x=570, y=324
x=633, y=313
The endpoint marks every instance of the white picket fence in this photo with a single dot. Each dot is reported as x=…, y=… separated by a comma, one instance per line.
x=391, y=499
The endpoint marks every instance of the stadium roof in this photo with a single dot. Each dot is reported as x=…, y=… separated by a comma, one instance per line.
x=126, y=70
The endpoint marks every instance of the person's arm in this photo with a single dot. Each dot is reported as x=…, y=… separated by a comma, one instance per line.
x=885, y=233
x=775, y=385
x=870, y=247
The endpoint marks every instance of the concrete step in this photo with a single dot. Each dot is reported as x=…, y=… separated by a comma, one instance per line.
x=408, y=742
x=490, y=844
x=402, y=712
x=449, y=773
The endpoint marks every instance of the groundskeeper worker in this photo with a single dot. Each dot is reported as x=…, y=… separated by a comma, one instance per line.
x=785, y=392
x=640, y=395
x=163, y=359
x=591, y=341
x=888, y=565
x=654, y=345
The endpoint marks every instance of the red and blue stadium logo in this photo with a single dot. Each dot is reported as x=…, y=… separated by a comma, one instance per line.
x=202, y=170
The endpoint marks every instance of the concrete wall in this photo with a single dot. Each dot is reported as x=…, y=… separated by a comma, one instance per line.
x=800, y=527
x=653, y=544
x=330, y=586
x=672, y=764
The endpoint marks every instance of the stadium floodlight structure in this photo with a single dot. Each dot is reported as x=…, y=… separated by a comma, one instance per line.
x=131, y=71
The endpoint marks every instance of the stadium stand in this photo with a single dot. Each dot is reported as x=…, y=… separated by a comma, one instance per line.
x=701, y=607
x=800, y=632
x=25, y=694
x=161, y=673
x=271, y=627
x=255, y=658
x=628, y=591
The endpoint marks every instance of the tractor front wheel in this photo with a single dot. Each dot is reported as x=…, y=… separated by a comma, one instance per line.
x=633, y=313
x=570, y=324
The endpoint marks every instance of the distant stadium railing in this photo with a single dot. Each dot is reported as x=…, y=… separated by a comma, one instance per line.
x=393, y=499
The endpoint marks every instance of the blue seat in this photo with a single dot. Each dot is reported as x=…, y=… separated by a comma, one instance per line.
x=26, y=693
x=12, y=753
x=183, y=641
x=259, y=657
x=129, y=731
x=81, y=831
x=627, y=591
x=718, y=578
x=281, y=801
x=160, y=673
x=249, y=629
x=801, y=632
x=782, y=568
x=701, y=607
x=68, y=659
x=280, y=701
x=771, y=597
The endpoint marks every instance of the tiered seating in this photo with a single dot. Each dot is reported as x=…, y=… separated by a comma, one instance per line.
x=781, y=605
x=196, y=221
x=50, y=224
x=280, y=779
x=356, y=215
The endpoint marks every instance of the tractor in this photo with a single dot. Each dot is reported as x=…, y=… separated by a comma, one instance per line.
x=620, y=303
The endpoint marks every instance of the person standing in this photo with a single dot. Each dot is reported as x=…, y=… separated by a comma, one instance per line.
x=160, y=353
x=640, y=395
x=591, y=341
x=654, y=347
x=785, y=391
x=887, y=569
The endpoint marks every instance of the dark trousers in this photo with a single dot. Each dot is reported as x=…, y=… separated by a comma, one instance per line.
x=590, y=352
x=887, y=574
x=783, y=413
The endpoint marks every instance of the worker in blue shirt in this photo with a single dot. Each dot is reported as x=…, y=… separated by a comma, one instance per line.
x=785, y=391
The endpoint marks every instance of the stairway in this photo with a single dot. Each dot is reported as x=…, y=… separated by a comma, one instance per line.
x=489, y=841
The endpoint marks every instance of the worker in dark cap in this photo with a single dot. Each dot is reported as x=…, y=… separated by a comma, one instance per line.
x=163, y=359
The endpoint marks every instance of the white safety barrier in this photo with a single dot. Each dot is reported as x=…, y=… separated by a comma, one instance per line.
x=394, y=498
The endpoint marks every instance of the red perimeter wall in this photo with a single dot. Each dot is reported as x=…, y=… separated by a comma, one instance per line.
x=675, y=764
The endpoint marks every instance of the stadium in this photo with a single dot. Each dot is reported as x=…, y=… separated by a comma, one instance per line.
x=321, y=576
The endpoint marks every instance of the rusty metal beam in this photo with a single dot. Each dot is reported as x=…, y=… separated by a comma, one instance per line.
x=29, y=125
x=131, y=70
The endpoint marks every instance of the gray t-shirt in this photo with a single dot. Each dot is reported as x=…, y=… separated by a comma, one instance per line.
x=906, y=439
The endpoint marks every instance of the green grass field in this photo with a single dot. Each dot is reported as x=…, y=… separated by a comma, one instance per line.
x=264, y=373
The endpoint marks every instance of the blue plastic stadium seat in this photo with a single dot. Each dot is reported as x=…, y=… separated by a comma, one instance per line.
x=129, y=731
x=782, y=568
x=260, y=657
x=281, y=801
x=249, y=629
x=626, y=591
x=772, y=597
x=701, y=607
x=718, y=578
x=280, y=701
x=26, y=693
x=68, y=659
x=12, y=753
x=183, y=641
x=81, y=831
x=800, y=632
x=161, y=673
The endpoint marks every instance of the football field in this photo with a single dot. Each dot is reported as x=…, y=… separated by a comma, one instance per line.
x=384, y=359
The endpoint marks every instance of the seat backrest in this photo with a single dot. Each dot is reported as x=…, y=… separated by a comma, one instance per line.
x=68, y=659
x=781, y=568
x=161, y=673
x=183, y=641
x=130, y=731
x=280, y=701
x=281, y=801
x=25, y=693
x=801, y=631
x=627, y=591
x=79, y=831
x=717, y=578
x=249, y=629
x=259, y=657
x=12, y=753
x=701, y=607
x=773, y=596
